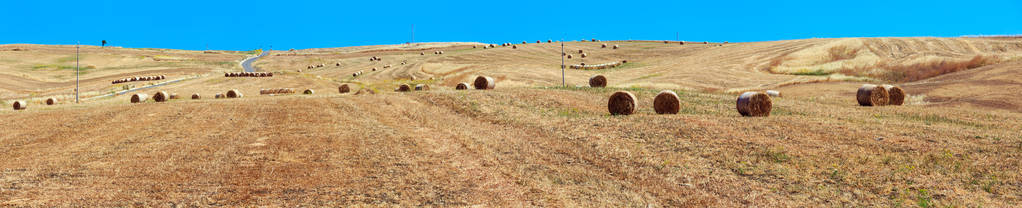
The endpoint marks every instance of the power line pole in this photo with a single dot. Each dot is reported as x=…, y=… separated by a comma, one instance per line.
x=413, y=33
x=677, y=36
x=562, y=65
x=77, y=49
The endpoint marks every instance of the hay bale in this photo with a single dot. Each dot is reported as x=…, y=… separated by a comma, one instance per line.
x=624, y=61
x=896, y=95
x=161, y=96
x=404, y=88
x=616, y=46
x=681, y=43
x=598, y=81
x=173, y=96
x=343, y=89
x=604, y=45
x=773, y=93
x=538, y=41
x=755, y=104
x=667, y=102
x=461, y=86
x=622, y=103
x=308, y=91
x=195, y=96
x=219, y=95
x=51, y=101
x=523, y=42
x=583, y=55
x=569, y=56
x=549, y=41
x=234, y=93
x=422, y=53
x=580, y=51
x=666, y=42
x=19, y=105
x=138, y=98
x=421, y=87
x=514, y=47
x=484, y=83
x=872, y=95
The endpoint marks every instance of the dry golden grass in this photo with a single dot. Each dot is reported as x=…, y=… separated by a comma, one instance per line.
x=955, y=142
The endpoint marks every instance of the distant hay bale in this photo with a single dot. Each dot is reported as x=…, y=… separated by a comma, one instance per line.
x=138, y=98
x=624, y=61
x=422, y=53
x=549, y=41
x=51, y=101
x=484, y=83
x=19, y=105
x=219, y=95
x=594, y=40
x=337, y=64
x=681, y=43
x=475, y=46
x=580, y=51
x=616, y=46
x=404, y=88
x=308, y=91
x=583, y=55
x=421, y=87
x=569, y=56
x=514, y=47
x=872, y=95
x=343, y=88
x=773, y=93
x=173, y=96
x=196, y=96
x=461, y=86
x=666, y=42
x=161, y=96
x=234, y=93
x=538, y=41
x=754, y=104
x=896, y=95
x=598, y=81
x=622, y=103
x=441, y=52
x=667, y=102
x=603, y=45
x=523, y=42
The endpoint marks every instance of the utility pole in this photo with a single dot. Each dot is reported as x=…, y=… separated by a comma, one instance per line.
x=77, y=48
x=677, y=36
x=562, y=65
x=413, y=33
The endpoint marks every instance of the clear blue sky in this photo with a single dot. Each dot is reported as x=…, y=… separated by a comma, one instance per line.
x=316, y=24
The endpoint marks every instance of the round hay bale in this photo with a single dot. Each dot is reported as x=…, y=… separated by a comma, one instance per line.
x=138, y=98
x=308, y=91
x=337, y=64
x=773, y=93
x=569, y=56
x=604, y=45
x=755, y=104
x=163, y=77
x=622, y=103
x=598, y=81
x=624, y=61
x=219, y=95
x=484, y=83
x=51, y=101
x=196, y=96
x=374, y=68
x=583, y=55
x=549, y=41
x=681, y=43
x=343, y=88
x=404, y=88
x=233, y=94
x=173, y=96
x=896, y=95
x=514, y=47
x=616, y=46
x=421, y=87
x=523, y=42
x=441, y=52
x=667, y=102
x=580, y=51
x=665, y=42
x=461, y=86
x=422, y=53
x=872, y=95
x=19, y=105
x=354, y=74
x=538, y=41
x=161, y=96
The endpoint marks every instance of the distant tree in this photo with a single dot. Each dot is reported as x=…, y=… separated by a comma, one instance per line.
x=104, y=43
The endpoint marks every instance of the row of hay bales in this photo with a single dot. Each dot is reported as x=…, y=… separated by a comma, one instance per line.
x=604, y=45
x=359, y=73
x=344, y=88
x=276, y=91
x=315, y=66
x=248, y=74
x=134, y=79
x=374, y=58
x=22, y=105
x=163, y=96
x=438, y=52
x=750, y=104
x=480, y=83
x=583, y=66
x=880, y=95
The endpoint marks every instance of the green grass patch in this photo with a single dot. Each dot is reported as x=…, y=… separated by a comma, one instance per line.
x=818, y=72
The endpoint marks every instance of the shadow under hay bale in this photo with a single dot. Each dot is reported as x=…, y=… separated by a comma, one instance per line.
x=598, y=81
x=622, y=103
x=343, y=89
x=872, y=95
x=461, y=86
x=234, y=94
x=667, y=102
x=754, y=104
x=19, y=105
x=404, y=88
x=484, y=83
x=421, y=87
x=51, y=101
x=196, y=96
x=138, y=98
x=161, y=96
x=896, y=95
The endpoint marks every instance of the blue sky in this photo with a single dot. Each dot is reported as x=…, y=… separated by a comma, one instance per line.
x=317, y=24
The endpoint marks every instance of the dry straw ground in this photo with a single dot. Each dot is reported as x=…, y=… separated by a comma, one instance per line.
x=954, y=142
